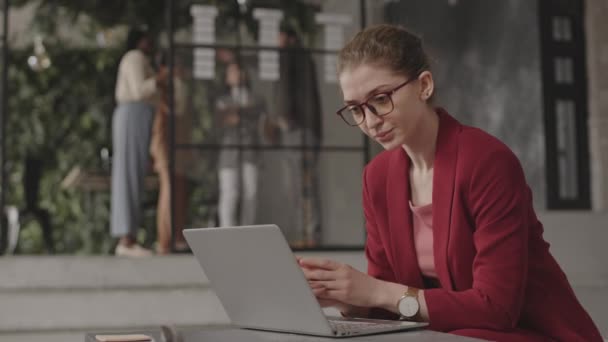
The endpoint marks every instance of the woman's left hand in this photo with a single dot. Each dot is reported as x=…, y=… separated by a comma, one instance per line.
x=334, y=281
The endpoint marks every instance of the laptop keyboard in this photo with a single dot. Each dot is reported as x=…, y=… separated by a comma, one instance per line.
x=353, y=327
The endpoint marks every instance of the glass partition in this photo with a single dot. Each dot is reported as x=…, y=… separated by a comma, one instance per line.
x=256, y=137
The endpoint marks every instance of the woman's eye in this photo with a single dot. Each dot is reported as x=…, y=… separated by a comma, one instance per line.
x=356, y=110
x=381, y=99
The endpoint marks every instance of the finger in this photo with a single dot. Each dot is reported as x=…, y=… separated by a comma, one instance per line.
x=326, y=302
x=316, y=274
x=329, y=296
x=315, y=285
x=337, y=295
x=325, y=264
x=307, y=273
x=318, y=292
x=326, y=284
x=326, y=295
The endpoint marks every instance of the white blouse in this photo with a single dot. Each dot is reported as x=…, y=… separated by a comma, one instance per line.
x=136, y=79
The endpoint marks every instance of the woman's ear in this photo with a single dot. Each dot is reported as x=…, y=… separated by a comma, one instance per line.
x=427, y=86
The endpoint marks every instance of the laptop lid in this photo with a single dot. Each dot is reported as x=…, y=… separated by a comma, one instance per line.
x=257, y=279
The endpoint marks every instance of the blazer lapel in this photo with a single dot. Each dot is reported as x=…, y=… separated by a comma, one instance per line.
x=446, y=155
x=400, y=221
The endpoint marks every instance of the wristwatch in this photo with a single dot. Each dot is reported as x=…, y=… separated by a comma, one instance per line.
x=408, y=305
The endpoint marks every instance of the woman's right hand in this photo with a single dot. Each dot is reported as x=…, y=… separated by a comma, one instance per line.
x=341, y=282
x=320, y=292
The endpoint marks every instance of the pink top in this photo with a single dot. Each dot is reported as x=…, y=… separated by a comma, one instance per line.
x=423, y=238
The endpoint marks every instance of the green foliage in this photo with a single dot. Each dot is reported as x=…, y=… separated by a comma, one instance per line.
x=60, y=116
x=104, y=13
x=153, y=14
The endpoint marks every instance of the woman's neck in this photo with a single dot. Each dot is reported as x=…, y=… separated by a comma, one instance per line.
x=422, y=145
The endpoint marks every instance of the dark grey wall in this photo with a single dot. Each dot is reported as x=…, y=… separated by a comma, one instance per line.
x=487, y=69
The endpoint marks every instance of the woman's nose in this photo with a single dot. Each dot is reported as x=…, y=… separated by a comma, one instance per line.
x=371, y=118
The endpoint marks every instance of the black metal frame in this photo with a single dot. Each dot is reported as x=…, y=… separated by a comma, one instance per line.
x=575, y=92
x=173, y=145
x=3, y=121
x=171, y=128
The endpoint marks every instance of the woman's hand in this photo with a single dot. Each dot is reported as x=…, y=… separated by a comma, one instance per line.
x=337, y=284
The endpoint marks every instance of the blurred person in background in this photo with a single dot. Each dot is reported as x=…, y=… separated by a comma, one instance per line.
x=136, y=95
x=159, y=150
x=298, y=115
x=238, y=112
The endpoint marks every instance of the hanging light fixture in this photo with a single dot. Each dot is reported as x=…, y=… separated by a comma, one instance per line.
x=40, y=60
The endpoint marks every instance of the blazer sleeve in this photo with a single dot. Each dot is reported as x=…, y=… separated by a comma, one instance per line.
x=377, y=261
x=500, y=203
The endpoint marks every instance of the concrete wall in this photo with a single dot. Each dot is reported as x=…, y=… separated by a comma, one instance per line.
x=486, y=58
x=596, y=27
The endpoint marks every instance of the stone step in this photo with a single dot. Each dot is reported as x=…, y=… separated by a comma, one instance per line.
x=107, y=272
x=61, y=310
x=97, y=272
x=44, y=336
x=64, y=295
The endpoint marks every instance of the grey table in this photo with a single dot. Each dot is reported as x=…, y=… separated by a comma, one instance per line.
x=231, y=334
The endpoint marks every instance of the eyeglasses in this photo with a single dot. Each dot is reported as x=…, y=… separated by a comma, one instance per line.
x=380, y=104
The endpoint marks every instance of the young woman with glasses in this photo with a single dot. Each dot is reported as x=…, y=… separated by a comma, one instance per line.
x=452, y=237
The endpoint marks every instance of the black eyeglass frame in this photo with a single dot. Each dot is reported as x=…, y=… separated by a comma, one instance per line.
x=365, y=103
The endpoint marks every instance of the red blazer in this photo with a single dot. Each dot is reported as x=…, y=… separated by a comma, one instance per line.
x=494, y=266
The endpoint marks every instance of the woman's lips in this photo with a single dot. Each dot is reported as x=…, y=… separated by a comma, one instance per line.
x=384, y=136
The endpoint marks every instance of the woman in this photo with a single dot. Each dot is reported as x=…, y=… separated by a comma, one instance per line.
x=452, y=237
x=159, y=148
x=238, y=112
x=136, y=95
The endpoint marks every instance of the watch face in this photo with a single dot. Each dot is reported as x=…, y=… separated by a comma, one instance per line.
x=408, y=307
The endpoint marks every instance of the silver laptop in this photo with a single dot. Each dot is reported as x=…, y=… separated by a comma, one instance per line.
x=258, y=281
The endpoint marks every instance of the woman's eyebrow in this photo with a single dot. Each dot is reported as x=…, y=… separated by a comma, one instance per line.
x=368, y=94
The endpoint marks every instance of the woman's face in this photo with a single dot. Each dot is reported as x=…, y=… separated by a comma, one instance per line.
x=395, y=129
x=145, y=45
